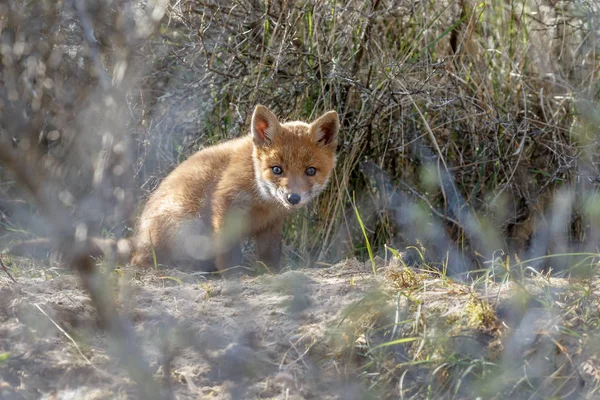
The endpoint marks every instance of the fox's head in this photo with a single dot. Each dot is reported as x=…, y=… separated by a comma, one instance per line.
x=293, y=161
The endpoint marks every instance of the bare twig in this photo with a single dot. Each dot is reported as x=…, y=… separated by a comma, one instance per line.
x=104, y=373
x=6, y=270
x=92, y=42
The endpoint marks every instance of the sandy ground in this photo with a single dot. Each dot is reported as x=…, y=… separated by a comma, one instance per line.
x=302, y=334
x=238, y=338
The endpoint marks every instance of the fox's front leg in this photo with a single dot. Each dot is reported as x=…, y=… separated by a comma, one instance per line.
x=229, y=257
x=228, y=251
x=268, y=246
x=228, y=226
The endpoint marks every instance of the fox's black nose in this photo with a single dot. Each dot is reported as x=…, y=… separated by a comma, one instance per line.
x=293, y=198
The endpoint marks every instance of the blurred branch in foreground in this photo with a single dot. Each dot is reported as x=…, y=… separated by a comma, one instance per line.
x=66, y=71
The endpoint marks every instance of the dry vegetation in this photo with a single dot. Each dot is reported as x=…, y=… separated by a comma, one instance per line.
x=467, y=179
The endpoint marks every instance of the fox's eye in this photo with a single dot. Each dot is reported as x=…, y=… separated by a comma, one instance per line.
x=311, y=171
x=277, y=170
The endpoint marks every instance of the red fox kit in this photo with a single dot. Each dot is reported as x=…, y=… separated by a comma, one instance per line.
x=243, y=187
x=205, y=208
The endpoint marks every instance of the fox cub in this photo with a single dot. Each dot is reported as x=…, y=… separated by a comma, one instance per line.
x=245, y=187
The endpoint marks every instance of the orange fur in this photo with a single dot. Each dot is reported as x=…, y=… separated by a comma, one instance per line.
x=222, y=194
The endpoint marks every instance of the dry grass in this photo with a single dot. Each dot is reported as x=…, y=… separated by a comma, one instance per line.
x=528, y=338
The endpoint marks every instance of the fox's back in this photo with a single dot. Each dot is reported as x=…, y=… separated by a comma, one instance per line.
x=191, y=183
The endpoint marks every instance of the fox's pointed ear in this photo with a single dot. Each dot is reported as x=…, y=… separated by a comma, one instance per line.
x=325, y=129
x=264, y=125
